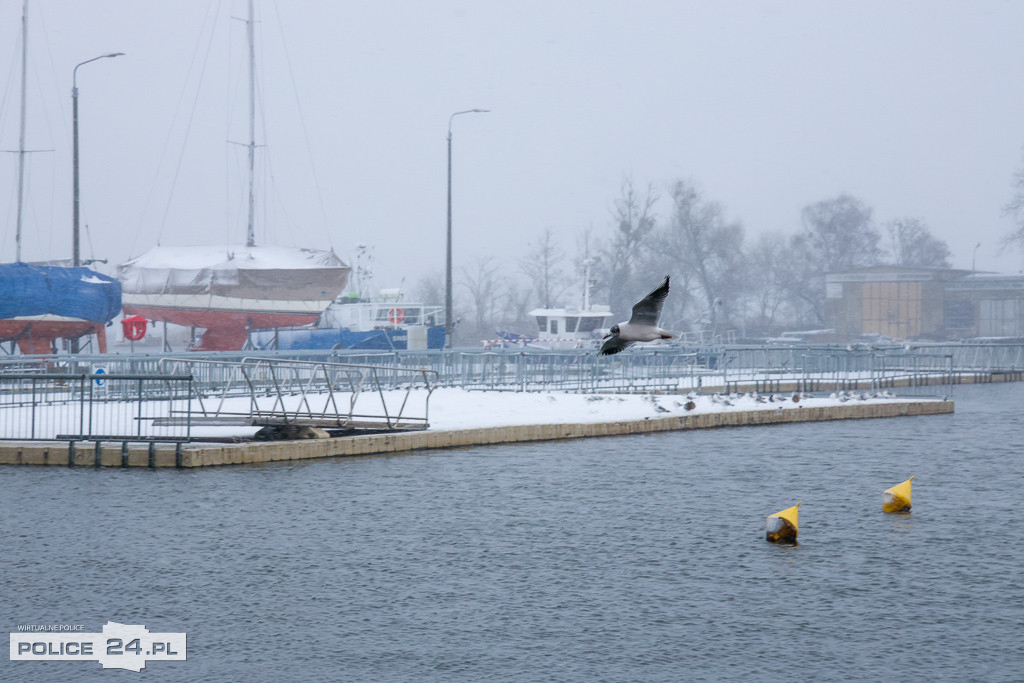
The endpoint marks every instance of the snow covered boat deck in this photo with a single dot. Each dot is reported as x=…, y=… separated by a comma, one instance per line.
x=466, y=419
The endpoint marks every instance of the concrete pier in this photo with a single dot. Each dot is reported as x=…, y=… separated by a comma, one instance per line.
x=116, y=454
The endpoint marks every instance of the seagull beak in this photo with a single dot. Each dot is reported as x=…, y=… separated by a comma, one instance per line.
x=607, y=335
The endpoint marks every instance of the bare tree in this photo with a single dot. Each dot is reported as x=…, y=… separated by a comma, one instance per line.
x=703, y=243
x=543, y=267
x=1015, y=210
x=912, y=244
x=803, y=281
x=838, y=234
x=765, y=280
x=429, y=288
x=514, y=310
x=484, y=282
x=634, y=222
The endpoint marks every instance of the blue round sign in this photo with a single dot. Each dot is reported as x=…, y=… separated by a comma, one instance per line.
x=100, y=382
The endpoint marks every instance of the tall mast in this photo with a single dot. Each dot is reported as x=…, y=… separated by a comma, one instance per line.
x=21, y=137
x=250, y=235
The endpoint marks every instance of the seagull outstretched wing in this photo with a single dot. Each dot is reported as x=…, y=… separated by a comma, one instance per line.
x=613, y=345
x=648, y=310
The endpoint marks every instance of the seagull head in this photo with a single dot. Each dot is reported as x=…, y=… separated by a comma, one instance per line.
x=613, y=331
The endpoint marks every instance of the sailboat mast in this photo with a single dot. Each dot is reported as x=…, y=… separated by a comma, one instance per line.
x=250, y=235
x=21, y=137
x=587, y=263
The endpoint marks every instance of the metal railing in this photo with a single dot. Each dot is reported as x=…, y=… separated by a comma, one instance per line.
x=335, y=387
x=271, y=392
x=93, y=406
x=966, y=357
x=194, y=399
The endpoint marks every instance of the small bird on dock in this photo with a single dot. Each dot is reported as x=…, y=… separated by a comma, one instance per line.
x=642, y=325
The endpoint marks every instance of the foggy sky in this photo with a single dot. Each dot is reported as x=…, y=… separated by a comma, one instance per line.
x=913, y=107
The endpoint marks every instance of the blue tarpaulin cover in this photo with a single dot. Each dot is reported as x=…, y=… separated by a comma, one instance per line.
x=71, y=292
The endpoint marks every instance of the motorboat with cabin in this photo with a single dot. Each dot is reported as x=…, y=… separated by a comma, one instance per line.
x=385, y=323
x=562, y=328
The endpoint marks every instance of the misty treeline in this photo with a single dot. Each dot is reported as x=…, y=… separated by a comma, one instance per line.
x=1015, y=210
x=723, y=281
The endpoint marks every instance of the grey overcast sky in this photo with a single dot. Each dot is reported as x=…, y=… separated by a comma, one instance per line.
x=914, y=107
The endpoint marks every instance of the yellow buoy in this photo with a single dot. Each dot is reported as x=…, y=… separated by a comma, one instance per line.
x=782, y=526
x=897, y=499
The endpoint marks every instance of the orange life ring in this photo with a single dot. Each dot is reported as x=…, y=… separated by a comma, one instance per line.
x=396, y=315
x=134, y=327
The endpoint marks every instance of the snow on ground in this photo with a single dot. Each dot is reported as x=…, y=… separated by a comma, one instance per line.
x=452, y=409
x=462, y=409
x=445, y=409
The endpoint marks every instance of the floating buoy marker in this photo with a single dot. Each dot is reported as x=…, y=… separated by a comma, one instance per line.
x=897, y=499
x=782, y=526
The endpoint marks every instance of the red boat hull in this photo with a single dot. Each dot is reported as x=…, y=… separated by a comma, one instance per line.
x=40, y=336
x=225, y=330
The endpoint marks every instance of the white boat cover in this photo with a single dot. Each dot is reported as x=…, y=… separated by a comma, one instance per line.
x=237, y=271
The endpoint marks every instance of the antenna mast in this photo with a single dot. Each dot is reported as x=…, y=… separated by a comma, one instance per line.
x=250, y=235
x=21, y=137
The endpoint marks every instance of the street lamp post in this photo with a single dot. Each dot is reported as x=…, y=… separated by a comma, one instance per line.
x=75, y=254
x=449, y=323
x=974, y=257
x=75, y=257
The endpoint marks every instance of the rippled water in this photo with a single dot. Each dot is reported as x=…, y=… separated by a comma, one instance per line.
x=623, y=558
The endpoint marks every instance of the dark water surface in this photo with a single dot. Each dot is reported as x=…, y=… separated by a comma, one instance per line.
x=636, y=558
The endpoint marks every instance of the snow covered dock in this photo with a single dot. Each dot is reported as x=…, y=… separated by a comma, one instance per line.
x=471, y=418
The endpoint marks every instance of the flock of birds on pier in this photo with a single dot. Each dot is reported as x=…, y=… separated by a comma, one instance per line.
x=740, y=401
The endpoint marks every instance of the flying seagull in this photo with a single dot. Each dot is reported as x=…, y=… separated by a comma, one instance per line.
x=642, y=325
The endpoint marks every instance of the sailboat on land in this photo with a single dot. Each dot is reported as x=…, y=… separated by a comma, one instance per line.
x=39, y=303
x=233, y=290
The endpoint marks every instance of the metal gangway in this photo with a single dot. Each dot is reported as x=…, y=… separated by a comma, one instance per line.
x=287, y=398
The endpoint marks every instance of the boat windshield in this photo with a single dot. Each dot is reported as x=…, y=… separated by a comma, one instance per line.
x=394, y=315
